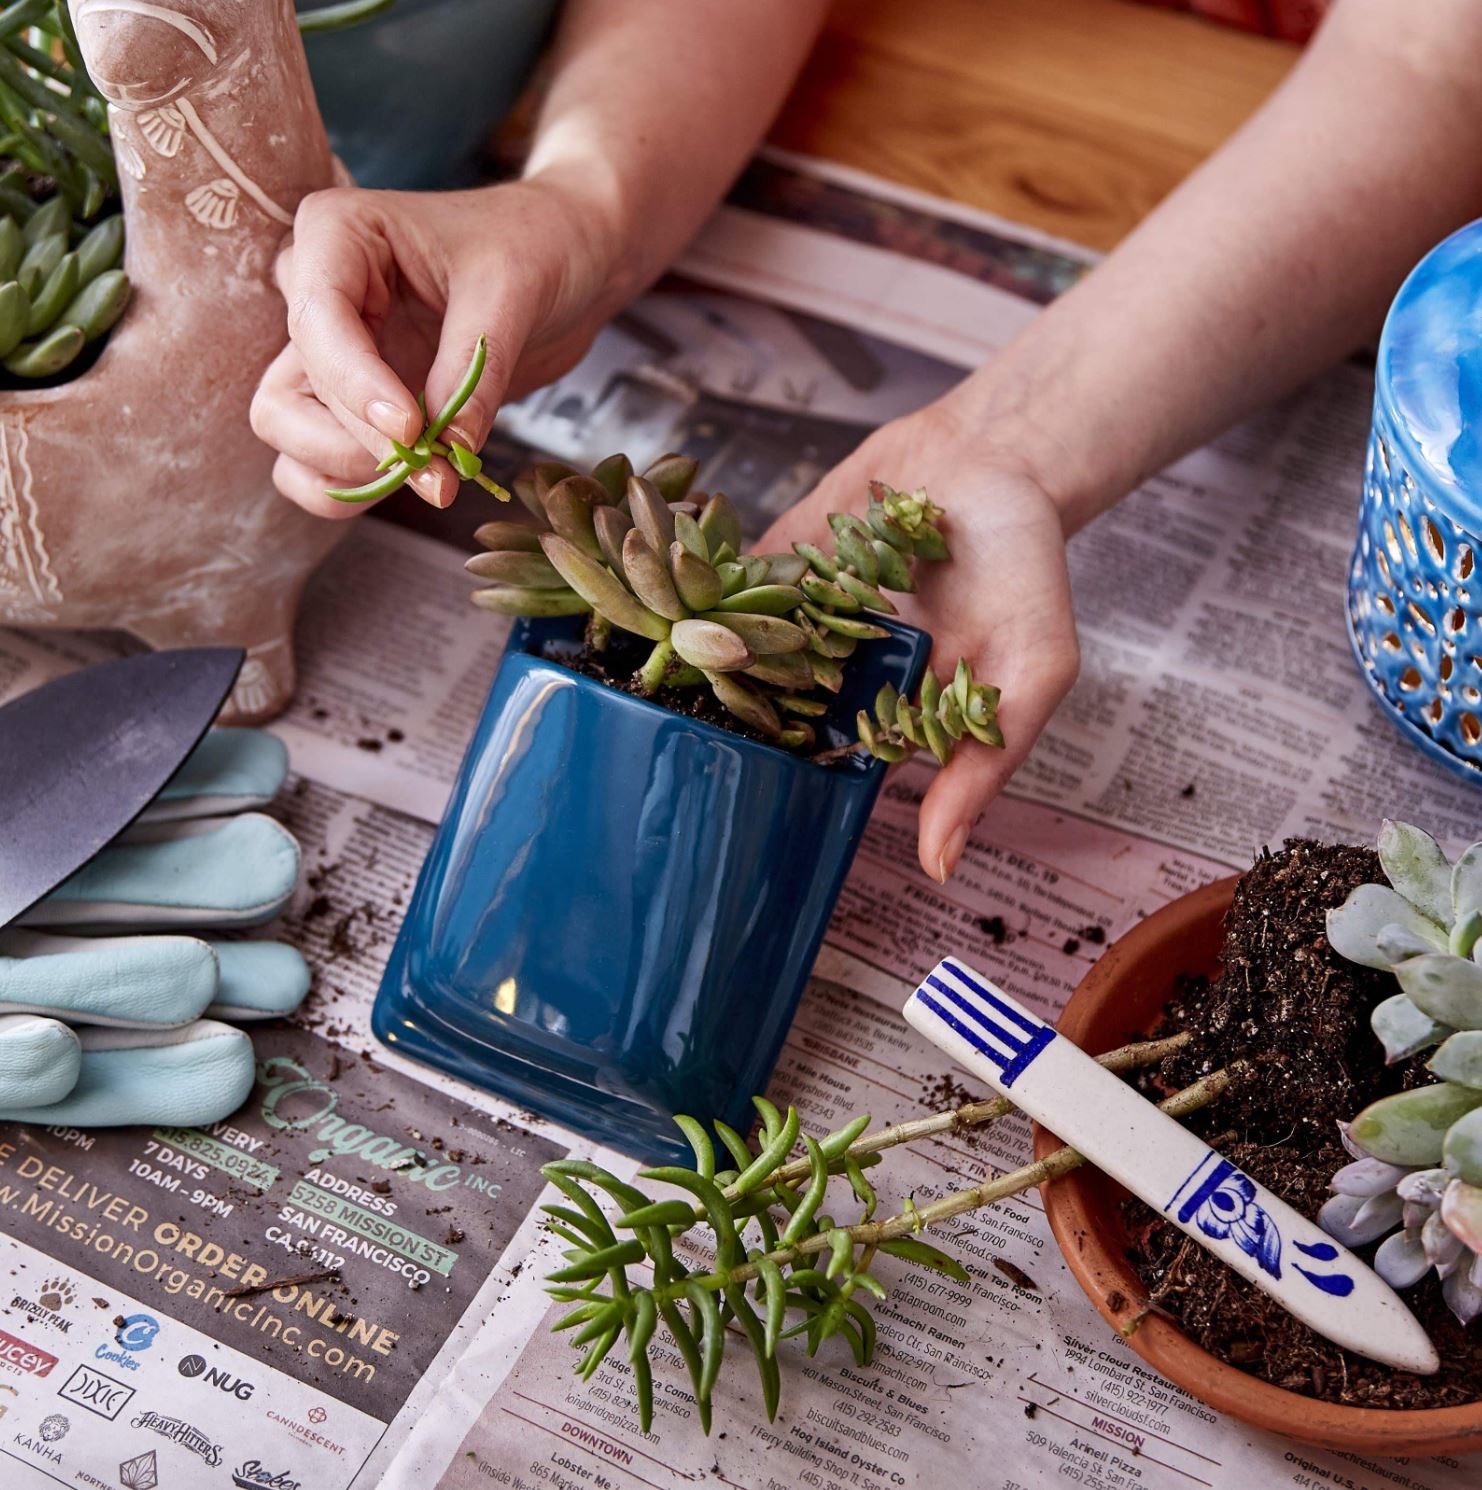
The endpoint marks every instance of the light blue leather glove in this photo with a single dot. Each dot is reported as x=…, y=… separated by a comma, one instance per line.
x=142, y=1052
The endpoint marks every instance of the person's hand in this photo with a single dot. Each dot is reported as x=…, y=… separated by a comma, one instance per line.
x=144, y=1053
x=388, y=294
x=1002, y=600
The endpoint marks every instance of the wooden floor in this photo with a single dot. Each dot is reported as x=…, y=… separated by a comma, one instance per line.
x=1075, y=116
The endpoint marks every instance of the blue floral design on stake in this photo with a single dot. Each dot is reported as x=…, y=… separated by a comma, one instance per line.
x=1224, y=1205
x=1221, y=1202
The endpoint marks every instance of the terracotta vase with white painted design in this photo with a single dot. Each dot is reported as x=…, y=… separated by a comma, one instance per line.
x=136, y=496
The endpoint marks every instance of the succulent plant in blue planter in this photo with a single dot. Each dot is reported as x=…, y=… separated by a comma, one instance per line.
x=660, y=803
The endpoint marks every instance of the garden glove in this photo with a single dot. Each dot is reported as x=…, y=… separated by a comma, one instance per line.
x=143, y=1052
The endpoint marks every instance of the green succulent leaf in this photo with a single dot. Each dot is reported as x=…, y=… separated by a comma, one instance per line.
x=1410, y=1128
x=765, y=635
x=895, y=572
x=601, y=589
x=829, y=593
x=866, y=596
x=720, y=523
x=688, y=535
x=1466, y=885
x=651, y=514
x=785, y=569
x=762, y=600
x=1447, y=988
x=924, y=1255
x=699, y=585
x=511, y=600
x=745, y=703
x=648, y=577
x=529, y=571
x=1354, y=927
x=843, y=625
x=790, y=670
x=507, y=537
x=612, y=526
x=1414, y=864
x=1402, y=1028
x=1462, y=1152
x=568, y=508
x=854, y=546
x=820, y=562
x=711, y=647
x=612, y=474
x=1459, y=1059
x=672, y=475
x=1461, y=1212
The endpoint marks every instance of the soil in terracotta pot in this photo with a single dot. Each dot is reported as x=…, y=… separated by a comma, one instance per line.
x=1299, y=1013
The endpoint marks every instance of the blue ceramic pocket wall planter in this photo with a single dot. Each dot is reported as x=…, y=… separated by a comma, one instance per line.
x=1414, y=588
x=621, y=906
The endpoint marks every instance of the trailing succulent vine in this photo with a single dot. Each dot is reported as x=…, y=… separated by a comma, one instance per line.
x=1416, y=1179
x=768, y=1252
x=646, y=553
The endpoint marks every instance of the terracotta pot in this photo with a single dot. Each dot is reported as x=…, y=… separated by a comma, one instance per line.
x=1120, y=998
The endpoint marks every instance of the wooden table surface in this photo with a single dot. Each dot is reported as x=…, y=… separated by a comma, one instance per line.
x=1074, y=116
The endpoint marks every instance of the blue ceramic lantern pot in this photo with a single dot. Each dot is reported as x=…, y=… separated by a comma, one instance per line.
x=1414, y=591
x=621, y=907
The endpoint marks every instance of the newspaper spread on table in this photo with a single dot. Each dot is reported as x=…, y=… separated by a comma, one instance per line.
x=406, y=1343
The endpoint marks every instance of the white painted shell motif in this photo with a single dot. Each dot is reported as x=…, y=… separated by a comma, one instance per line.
x=164, y=128
x=214, y=205
x=130, y=162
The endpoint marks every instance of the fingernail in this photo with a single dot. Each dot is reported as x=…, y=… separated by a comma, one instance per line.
x=427, y=486
x=951, y=854
x=394, y=422
x=461, y=435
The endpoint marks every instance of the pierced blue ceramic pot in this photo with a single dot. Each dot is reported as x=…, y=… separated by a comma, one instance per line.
x=621, y=907
x=1414, y=591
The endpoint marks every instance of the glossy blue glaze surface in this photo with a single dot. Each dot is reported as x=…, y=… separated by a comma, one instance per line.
x=621, y=907
x=410, y=97
x=1414, y=594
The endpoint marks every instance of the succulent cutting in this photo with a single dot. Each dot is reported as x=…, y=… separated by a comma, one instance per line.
x=777, y=1263
x=766, y=633
x=1416, y=1179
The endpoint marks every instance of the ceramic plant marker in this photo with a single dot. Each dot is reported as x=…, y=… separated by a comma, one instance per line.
x=1207, y=1197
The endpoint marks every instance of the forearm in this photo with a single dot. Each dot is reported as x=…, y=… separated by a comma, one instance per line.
x=1273, y=260
x=654, y=108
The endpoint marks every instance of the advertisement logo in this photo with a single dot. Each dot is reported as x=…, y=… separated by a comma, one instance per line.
x=137, y=1332
x=177, y=1430
x=192, y=1366
x=17, y=1355
x=55, y=1295
x=131, y=1335
x=140, y=1473
x=317, y=1415
x=96, y=1391
x=252, y=1476
x=55, y=1427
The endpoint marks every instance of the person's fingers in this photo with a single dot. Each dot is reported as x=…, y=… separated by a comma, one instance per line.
x=476, y=310
x=977, y=772
x=295, y=423
x=333, y=280
x=306, y=486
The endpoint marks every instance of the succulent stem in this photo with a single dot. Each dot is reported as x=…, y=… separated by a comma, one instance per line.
x=915, y=1219
x=650, y=677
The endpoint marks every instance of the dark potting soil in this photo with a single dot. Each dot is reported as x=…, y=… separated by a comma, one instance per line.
x=625, y=653
x=1299, y=1013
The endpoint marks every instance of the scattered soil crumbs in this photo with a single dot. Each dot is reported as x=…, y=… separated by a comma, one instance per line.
x=1299, y=1013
